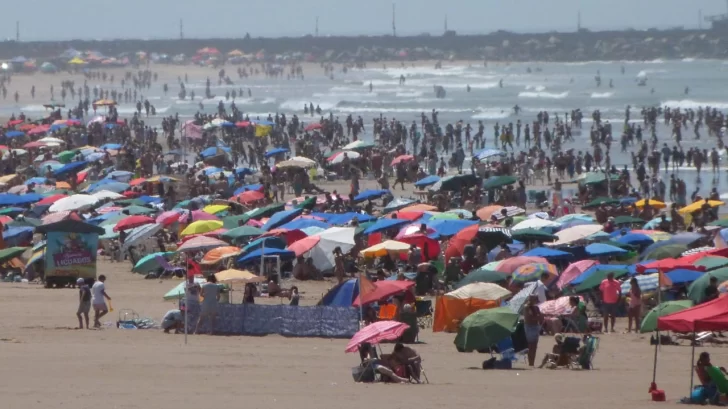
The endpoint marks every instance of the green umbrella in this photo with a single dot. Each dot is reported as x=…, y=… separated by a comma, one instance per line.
x=179, y=291
x=110, y=233
x=454, y=182
x=485, y=328
x=667, y=251
x=266, y=211
x=134, y=210
x=445, y=216
x=363, y=226
x=149, y=262
x=10, y=211
x=129, y=202
x=649, y=322
x=597, y=277
x=11, y=252
x=113, y=220
x=66, y=156
x=232, y=222
x=183, y=204
x=307, y=204
x=712, y=263
x=721, y=223
x=499, y=181
x=603, y=200
x=620, y=220
x=25, y=222
x=696, y=290
x=57, y=192
x=594, y=178
x=529, y=235
x=237, y=233
x=481, y=275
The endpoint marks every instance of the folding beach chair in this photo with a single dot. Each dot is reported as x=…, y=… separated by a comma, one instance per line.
x=586, y=359
x=720, y=381
x=423, y=308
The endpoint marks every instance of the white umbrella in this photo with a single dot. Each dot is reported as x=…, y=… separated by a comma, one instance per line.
x=322, y=254
x=572, y=234
x=106, y=194
x=50, y=139
x=340, y=156
x=201, y=243
x=140, y=233
x=536, y=224
x=73, y=203
x=481, y=291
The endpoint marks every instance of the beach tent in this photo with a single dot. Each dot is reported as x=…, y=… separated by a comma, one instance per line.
x=452, y=308
x=342, y=295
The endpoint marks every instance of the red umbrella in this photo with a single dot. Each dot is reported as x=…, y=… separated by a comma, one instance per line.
x=26, y=127
x=132, y=222
x=304, y=245
x=669, y=264
x=691, y=258
x=137, y=181
x=33, y=145
x=249, y=196
x=39, y=130
x=5, y=219
x=51, y=199
x=313, y=126
x=384, y=289
x=413, y=215
x=15, y=122
x=291, y=236
x=458, y=242
x=242, y=124
x=402, y=158
x=423, y=242
x=376, y=333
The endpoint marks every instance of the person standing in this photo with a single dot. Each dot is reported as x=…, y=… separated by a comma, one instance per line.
x=84, y=302
x=611, y=290
x=98, y=300
x=210, y=298
x=532, y=320
x=635, y=305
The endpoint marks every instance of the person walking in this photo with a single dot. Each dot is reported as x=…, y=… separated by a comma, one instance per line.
x=532, y=320
x=84, y=302
x=98, y=300
x=611, y=290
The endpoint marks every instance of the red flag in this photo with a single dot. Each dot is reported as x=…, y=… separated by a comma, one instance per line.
x=193, y=269
x=664, y=280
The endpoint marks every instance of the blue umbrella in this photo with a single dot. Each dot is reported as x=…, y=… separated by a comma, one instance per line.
x=209, y=171
x=488, y=153
x=384, y=224
x=303, y=223
x=281, y=218
x=149, y=199
x=227, y=124
x=212, y=151
x=112, y=146
x=96, y=156
x=636, y=239
x=56, y=127
x=275, y=151
x=549, y=254
x=681, y=276
x=244, y=171
x=102, y=217
x=267, y=242
x=36, y=180
x=111, y=186
x=427, y=181
x=617, y=233
x=397, y=204
x=685, y=238
x=264, y=122
x=593, y=269
x=70, y=167
x=14, y=134
x=242, y=189
x=174, y=152
x=9, y=199
x=110, y=125
x=254, y=256
x=371, y=194
x=16, y=235
x=449, y=227
x=603, y=250
x=120, y=175
x=339, y=219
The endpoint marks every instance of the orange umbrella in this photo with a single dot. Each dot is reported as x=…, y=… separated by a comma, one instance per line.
x=419, y=208
x=137, y=181
x=62, y=185
x=216, y=255
x=484, y=213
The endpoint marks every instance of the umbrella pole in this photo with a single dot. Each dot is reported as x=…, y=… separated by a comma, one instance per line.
x=692, y=361
x=187, y=296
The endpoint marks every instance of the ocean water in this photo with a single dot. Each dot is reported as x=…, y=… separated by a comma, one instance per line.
x=554, y=87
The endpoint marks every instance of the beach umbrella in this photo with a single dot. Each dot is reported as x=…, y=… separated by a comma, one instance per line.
x=557, y=307
x=594, y=276
x=485, y=328
x=250, y=196
x=621, y=220
x=9, y=199
x=696, y=290
x=493, y=236
x=232, y=276
x=489, y=153
x=281, y=218
x=371, y=194
x=484, y=213
x=376, y=333
x=141, y=233
x=202, y=226
x=219, y=254
x=536, y=224
x=603, y=250
x=454, y=183
x=70, y=168
x=549, y=254
x=655, y=204
x=266, y=211
x=150, y=262
x=256, y=255
x=694, y=207
x=304, y=245
x=427, y=181
x=275, y=151
x=386, y=224
x=14, y=134
x=339, y=157
x=359, y=145
x=11, y=252
x=74, y=203
x=533, y=272
x=201, y=243
x=267, y=242
x=388, y=247
x=482, y=275
x=457, y=243
x=449, y=228
x=296, y=163
x=664, y=250
x=595, y=178
x=131, y=222
x=178, y=292
x=681, y=276
x=495, y=182
x=576, y=233
x=532, y=235
x=712, y=262
x=510, y=265
x=241, y=232
x=402, y=159
x=215, y=208
x=634, y=239
x=134, y=209
x=49, y=200
x=573, y=271
x=196, y=216
x=106, y=195
x=397, y=204
x=649, y=322
x=418, y=207
x=443, y=216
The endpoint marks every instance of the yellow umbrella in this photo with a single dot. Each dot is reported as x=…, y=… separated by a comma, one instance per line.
x=158, y=178
x=201, y=227
x=104, y=102
x=215, y=208
x=655, y=204
x=388, y=247
x=8, y=178
x=238, y=276
x=77, y=61
x=62, y=185
x=693, y=207
x=235, y=53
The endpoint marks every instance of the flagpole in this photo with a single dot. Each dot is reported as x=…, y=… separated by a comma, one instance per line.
x=187, y=294
x=361, y=304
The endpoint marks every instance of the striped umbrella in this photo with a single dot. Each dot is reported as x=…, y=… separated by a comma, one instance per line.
x=532, y=272
x=376, y=333
x=510, y=212
x=559, y=306
x=647, y=283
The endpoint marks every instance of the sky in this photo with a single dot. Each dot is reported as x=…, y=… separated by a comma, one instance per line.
x=155, y=19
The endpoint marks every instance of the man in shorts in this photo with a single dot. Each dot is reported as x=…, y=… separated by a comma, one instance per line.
x=98, y=300
x=173, y=319
x=84, y=302
x=611, y=290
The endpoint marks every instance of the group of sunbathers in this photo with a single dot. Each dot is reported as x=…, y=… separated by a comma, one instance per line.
x=401, y=366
